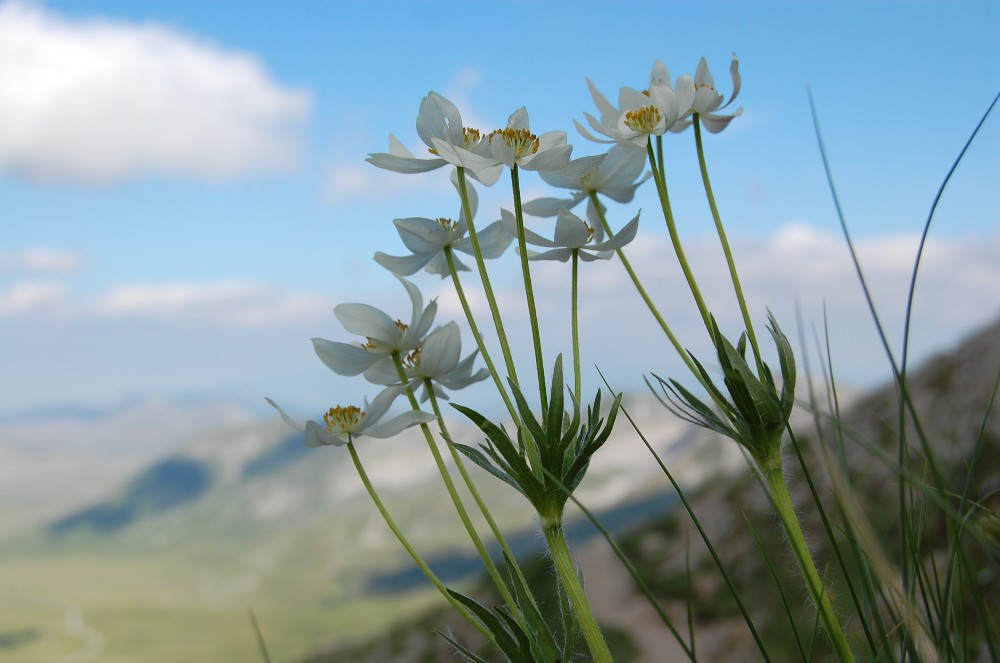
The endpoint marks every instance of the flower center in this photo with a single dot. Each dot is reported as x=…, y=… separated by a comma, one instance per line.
x=470, y=140
x=448, y=224
x=471, y=137
x=376, y=344
x=343, y=419
x=643, y=120
x=521, y=141
x=412, y=360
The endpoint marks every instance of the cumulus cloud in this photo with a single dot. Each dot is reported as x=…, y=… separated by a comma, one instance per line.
x=98, y=101
x=30, y=296
x=40, y=260
x=227, y=303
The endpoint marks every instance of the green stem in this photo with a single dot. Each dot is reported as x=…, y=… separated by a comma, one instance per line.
x=555, y=537
x=450, y=486
x=409, y=548
x=668, y=216
x=470, y=484
x=574, y=296
x=725, y=247
x=529, y=293
x=487, y=286
x=778, y=489
x=494, y=373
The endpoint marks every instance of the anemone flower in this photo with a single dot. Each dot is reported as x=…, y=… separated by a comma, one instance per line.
x=384, y=336
x=341, y=425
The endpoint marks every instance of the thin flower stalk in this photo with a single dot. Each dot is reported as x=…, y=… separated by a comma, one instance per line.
x=484, y=276
x=403, y=541
x=725, y=244
x=555, y=537
x=470, y=484
x=575, y=324
x=487, y=358
x=529, y=293
x=774, y=479
x=450, y=486
x=668, y=216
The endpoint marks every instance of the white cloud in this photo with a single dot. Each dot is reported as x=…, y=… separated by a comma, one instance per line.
x=227, y=303
x=29, y=297
x=41, y=260
x=97, y=101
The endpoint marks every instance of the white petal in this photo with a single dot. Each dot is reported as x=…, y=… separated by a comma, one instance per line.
x=571, y=231
x=562, y=255
x=438, y=118
x=546, y=207
x=702, y=76
x=403, y=265
x=493, y=241
x=418, y=328
x=502, y=151
x=397, y=149
x=483, y=168
x=659, y=75
x=589, y=136
x=715, y=123
x=574, y=171
x=734, y=72
x=421, y=235
x=344, y=358
x=551, y=159
x=367, y=321
x=441, y=351
x=518, y=119
x=394, y=426
x=319, y=436
x=623, y=237
x=604, y=107
x=288, y=420
x=379, y=406
x=406, y=165
x=383, y=372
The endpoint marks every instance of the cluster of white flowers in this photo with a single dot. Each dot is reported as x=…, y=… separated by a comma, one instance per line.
x=662, y=107
x=432, y=359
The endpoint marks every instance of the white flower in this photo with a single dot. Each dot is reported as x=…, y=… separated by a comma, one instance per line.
x=707, y=100
x=640, y=113
x=614, y=177
x=438, y=360
x=342, y=424
x=439, y=121
x=427, y=239
x=514, y=145
x=574, y=235
x=383, y=335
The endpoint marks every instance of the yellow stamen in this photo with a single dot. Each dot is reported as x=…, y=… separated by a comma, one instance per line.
x=412, y=360
x=340, y=419
x=643, y=120
x=374, y=344
x=521, y=141
x=470, y=139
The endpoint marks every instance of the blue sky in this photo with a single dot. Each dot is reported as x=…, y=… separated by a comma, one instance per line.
x=183, y=196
